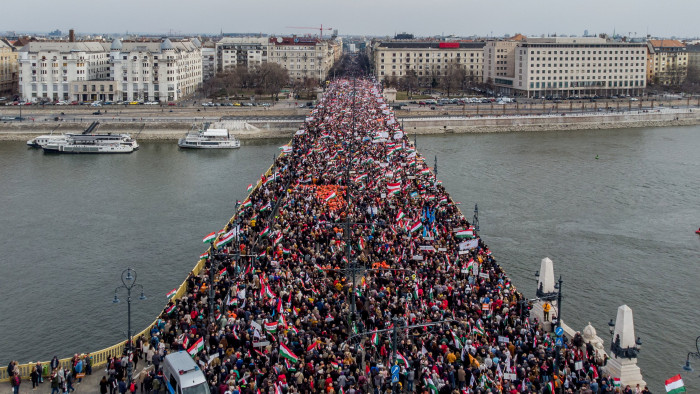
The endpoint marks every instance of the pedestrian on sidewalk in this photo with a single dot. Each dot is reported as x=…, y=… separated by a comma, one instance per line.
x=35, y=378
x=16, y=380
x=55, y=383
x=103, y=385
x=547, y=307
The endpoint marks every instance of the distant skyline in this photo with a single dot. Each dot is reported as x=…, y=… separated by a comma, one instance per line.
x=358, y=17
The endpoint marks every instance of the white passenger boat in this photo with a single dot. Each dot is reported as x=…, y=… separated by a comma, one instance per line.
x=39, y=141
x=209, y=139
x=92, y=143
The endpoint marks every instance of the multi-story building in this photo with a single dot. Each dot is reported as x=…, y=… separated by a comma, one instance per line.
x=565, y=66
x=667, y=62
x=693, y=62
x=160, y=70
x=9, y=75
x=47, y=68
x=208, y=62
x=428, y=60
x=304, y=57
x=234, y=51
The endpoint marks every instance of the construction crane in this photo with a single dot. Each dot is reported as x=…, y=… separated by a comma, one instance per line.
x=320, y=29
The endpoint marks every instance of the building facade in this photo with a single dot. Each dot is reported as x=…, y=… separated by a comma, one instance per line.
x=160, y=70
x=302, y=57
x=9, y=69
x=47, y=69
x=565, y=66
x=667, y=62
x=208, y=62
x=246, y=51
x=428, y=60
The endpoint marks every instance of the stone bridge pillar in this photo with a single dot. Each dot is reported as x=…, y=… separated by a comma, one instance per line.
x=624, y=348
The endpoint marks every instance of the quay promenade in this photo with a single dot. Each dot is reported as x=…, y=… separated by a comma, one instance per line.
x=348, y=258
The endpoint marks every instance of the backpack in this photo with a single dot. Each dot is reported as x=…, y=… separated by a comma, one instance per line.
x=132, y=387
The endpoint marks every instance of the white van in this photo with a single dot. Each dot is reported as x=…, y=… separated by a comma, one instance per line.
x=182, y=375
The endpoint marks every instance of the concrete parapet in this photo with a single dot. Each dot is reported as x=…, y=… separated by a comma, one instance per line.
x=625, y=367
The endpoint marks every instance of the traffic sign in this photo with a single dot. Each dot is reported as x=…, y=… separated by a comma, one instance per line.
x=559, y=342
x=395, y=373
x=559, y=331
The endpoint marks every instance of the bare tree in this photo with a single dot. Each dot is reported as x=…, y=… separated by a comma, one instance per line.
x=409, y=82
x=453, y=78
x=270, y=78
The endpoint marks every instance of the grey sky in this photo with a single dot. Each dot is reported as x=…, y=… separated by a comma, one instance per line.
x=372, y=17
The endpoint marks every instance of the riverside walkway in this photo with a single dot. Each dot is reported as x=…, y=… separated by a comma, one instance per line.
x=347, y=258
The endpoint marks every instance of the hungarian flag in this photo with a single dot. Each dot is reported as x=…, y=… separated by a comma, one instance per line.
x=332, y=196
x=247, y=203
x=400, y=215
x=271, y=327
x=278, y=308
x=361, y=244
x=223, y=272
x=265, y=232
x=196, y=347
x=267, y=292
x=375, y=339
x=312, y=346
x=392, y=186
x=424, y=171
x=443, y=200
x=550, y=387
x=360, y=177
x=225, y=239
x=286, y=251
x=171, y=293
x=415, y=227
x=288, y=354
x=401, y=359
x=209, y=237
x=431, y=385
x=464, y=234
x=266, y=207
x=204, y=255
x=278, y=238
x=394, y=192
x=250, y=187
x=170, y=309
x=616, y=382
x=458, y=343
x=675, y=385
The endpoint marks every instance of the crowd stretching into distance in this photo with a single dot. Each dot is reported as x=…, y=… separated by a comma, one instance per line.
x=428, y=295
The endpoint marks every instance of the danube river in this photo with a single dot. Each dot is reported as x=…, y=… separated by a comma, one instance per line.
x=615, y=209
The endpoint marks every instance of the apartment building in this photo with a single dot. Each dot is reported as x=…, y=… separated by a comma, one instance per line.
x=208, y=62
x=9, y=66
x=429, y=60
x=234, y=51
x=159, y=70
x=667, y=62
x=47, y=68
x=303, y=57
x=565, y=66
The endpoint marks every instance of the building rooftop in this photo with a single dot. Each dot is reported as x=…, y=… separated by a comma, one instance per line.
x=428, y=45
x=666, y=43
x=65, y=46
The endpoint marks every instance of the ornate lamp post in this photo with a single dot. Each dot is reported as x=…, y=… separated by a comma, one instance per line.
x=626, y=352
x=695, y=354
x=129, y=282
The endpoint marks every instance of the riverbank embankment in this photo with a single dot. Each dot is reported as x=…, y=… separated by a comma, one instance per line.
x=162, y=128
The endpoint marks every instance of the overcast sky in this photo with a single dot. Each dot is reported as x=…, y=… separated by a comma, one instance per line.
x=372, y=17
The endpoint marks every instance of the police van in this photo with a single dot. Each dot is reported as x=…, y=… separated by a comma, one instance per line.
x=182, y=375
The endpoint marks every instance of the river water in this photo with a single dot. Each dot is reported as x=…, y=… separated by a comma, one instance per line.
x=620, y=229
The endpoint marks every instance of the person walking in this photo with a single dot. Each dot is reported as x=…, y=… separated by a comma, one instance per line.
x=104, y=384
x=55, y=383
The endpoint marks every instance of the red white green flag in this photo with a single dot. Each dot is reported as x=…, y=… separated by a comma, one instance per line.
x=209, y=237
x=361, y=244
x=278, y=238
x=170, y=309
x=288, y=354
x=265, y=232
x=464, y=234
x=271, y=327
x=171, y=293
x=312, y=346
x=250, y=187
x=401, y=359
x=675, y=385
x=196, y=347
x=204, y=255
x=247, y=203
x=286, y=251
x=223, y=272
x=400, y=215
x=415, y=227
x=332, y=196
x=375, y=339
x=225, y=239
x=266, y=207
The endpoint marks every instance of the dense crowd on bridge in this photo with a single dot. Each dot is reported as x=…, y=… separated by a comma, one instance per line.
x=284, y=319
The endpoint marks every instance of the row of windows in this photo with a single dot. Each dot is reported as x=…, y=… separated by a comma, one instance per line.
x=610, y=84
x=589, y=71
x=393, y=54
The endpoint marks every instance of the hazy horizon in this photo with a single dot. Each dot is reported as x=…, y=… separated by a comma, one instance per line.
x=359, y=17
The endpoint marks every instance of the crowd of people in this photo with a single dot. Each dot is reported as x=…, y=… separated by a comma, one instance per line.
x=350, y=258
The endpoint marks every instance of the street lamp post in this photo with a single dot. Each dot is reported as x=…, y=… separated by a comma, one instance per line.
x=629, y=352
x=695, y=354
x=128, y=278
